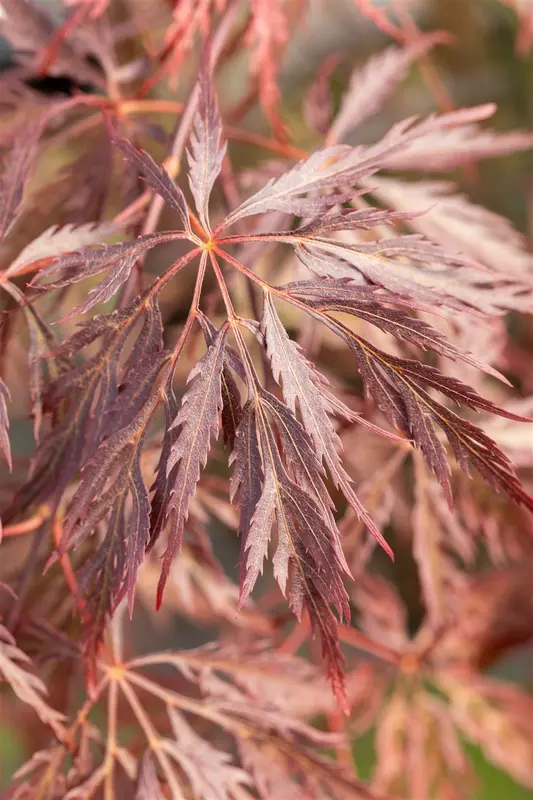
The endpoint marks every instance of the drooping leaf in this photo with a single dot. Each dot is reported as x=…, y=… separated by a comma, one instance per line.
x=112, y=488
x=397, y=387
x=307, y=562
x=318, y=102
x=80, y=397
x=28, y=687
x=367, y=304
x=231, y=396
x=266, y=38
x=197, y=421
x=147, y=786
x=302, y=383
x=440, y=544
x=17, y=168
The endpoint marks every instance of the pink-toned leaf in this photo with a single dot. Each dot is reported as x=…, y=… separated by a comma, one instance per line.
x=17, y=167
x=443, y=150
x=372, y=84
x=303, y=384
x=340, y=166
x=206, y=150
x=454, y=221
x=5, y=448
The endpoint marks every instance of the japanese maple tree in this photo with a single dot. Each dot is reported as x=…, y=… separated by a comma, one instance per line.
x=306, y=355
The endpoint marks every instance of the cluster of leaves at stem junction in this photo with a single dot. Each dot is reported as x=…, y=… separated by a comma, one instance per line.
x=299, y=356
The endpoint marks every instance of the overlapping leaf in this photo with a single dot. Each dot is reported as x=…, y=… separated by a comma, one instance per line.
x=198, y=421
x=398, y=388
x=308, y=561
x=81, y=397
x=28, y=687
x=340, y=166
x=303, y=384
x=112, y=488
x=117, y=259
x=453, y=220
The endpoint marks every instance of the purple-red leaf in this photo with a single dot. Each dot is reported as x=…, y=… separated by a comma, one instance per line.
x=308, y=562
x=206, y=150
x=197, y=420
x=295, y=192
x=302, y=383
x=118, y=259
x=156, y=177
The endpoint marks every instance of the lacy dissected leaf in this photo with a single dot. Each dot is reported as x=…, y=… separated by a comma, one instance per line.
x=397, y=386
x=302, y=383
x=112, y=488
x=209, y=771
x=17, y=167
x=28, y=687
x=41, y=341
x=454, y=221
x=231, y=395
x=440, y=151
x=156, y=177
x=119, y=259
x=281, y=770
x=294, y=192
x=5, y=447
x=197, y=420
x=419, y=750
x=266, y=38
x=57, y=240
x=365, y=303
x=162, y=485
x=371, y=84
x=206, y=150
x=440, y=545
x=81, y=397
x=147, y=783
x=411, y=266
x=308, y=561
x=248, y=691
